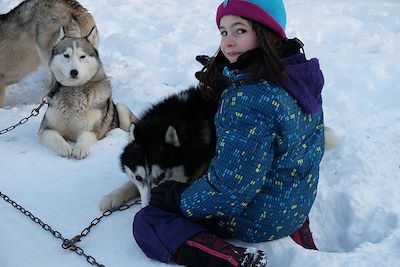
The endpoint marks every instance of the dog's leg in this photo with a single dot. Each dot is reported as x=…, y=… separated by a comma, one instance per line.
x=53, y=140
x=83, y=144
x=119, y=196
x=2, y=95
x=126, y=117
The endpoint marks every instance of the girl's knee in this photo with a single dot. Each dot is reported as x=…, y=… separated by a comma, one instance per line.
x=140, y=221
x=147, y=219
x=146, y=233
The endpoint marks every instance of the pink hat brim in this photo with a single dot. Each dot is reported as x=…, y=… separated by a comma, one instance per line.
x=249, y=10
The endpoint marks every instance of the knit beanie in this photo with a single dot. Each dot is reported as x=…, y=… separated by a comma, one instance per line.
x=270, y=13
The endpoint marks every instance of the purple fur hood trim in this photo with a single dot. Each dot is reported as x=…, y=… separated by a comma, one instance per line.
x=305, y=82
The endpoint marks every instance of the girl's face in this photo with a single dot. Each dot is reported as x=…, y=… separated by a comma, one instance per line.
x=237, y=37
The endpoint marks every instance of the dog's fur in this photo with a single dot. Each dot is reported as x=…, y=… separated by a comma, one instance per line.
x=331, y=138
x=174, y=140
x=29, y=32
x=81, y=108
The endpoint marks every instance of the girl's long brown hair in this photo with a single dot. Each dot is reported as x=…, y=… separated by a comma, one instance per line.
x=267, y=65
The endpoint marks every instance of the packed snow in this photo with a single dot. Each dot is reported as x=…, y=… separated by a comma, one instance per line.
x=148, y=49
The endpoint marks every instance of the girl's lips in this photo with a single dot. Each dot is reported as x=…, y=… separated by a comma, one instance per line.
x=234, y=54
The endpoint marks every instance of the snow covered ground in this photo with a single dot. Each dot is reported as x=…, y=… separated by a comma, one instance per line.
x=148, y=50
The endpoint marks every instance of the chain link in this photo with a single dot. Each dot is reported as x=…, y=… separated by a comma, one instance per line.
x=69, y=243
x=34, y=113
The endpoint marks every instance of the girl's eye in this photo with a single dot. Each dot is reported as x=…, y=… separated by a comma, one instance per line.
x=82, y=57
x=224, y=33
x=240, y=31
x=66, y=55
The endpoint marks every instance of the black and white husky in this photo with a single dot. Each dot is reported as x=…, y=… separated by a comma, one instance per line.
x=173, y=140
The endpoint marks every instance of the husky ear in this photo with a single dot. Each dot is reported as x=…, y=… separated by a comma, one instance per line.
x=93, y=37
x=171, y=137
x=131, y=135
x=61, y=35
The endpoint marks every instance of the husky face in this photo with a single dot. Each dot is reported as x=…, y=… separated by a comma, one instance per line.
x=74, y=61
x=149, y=164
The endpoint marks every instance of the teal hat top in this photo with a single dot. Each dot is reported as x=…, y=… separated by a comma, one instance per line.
x=270, y=13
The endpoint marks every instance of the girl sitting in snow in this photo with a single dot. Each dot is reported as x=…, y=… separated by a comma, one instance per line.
x=262, y=182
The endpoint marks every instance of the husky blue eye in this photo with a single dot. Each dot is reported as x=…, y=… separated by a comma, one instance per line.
x=139, y=178
x=161, y=176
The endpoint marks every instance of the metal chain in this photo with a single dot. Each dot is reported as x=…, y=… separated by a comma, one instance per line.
x=34, y=113
x=69, y=243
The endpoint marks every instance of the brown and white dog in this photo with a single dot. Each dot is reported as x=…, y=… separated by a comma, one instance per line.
x=29, y=32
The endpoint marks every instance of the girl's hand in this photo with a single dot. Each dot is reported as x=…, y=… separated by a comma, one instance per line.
x=167, y=196
x=203, y=59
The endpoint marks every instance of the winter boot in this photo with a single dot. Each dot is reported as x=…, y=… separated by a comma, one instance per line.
x=205, y=249
x=303, y=236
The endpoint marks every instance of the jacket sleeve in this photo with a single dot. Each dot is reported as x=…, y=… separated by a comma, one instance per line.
x=244, y=154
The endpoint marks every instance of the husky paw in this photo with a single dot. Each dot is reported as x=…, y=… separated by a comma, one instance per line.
x=80, y=152
x=64, y=150
x=111, y=201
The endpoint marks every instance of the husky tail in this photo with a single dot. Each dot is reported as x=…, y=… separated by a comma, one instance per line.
x=82, y=21
x=331, y=139
x=125, y=117
x=117, y=116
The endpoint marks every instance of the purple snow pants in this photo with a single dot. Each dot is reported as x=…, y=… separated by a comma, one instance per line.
x=160, y=233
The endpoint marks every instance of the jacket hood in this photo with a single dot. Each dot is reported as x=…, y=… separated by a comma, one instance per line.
x=305, y=81
x=305, y=77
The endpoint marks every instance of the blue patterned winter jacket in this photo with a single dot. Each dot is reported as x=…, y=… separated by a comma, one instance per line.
x=263, y=180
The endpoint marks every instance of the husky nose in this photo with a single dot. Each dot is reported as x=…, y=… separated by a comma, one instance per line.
x=73, y=73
